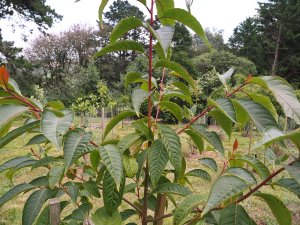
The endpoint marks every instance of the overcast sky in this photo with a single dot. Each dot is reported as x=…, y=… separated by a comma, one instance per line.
x=218, y=14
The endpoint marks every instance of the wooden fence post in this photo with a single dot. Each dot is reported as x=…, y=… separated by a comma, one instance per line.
x=54, y=208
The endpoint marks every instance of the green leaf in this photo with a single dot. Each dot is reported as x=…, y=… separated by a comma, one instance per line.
x=8, y=113
x=172, y=144
x=225, y=77
x=185, y=207
x=196, y=138
x=17, y=132
x=157, y=159
x=40, y=181
x=279, y=210
x=15, y=191
x=162, y=6
x=5, y=129
x=164, y=35
x=58, y=105
x=187, y=19
x=225, y=106
x=130, y=165
x=125, y=25
x=260, y=116
x=112, y=196
x=33, y=206
x=141, y=158
x=179, y=70
x=53, y=127
x=45, y=161
x=264, y=101
x=141, y=127
x=113, y=122
x=242, y=174
x=133, y=77
x=55, y=175
x=75, y=145
x=172, y=188
x=73, y=190
x=38, y=139
x=172, y=108
x=224, y=188
x=168, y=94
x=235, y=215
x=290, y=184
x=123, y=45
x=100, y=11
x=294, y=171
x=127, y=213
x=241, y=114
x=127, y=141
x=210, y=136
x=101, y=217
x=283, y=93
x=222, y=120
x=14, y=162
x=138, y=96
x=182, y=87
x=44, y=217
x=92, y=187
x=209, y=163
x=199, y=173
x=112, y=159
x=257, y=165
x=274, y=134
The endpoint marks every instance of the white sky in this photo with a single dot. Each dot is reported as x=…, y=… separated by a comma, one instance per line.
x=220, y=14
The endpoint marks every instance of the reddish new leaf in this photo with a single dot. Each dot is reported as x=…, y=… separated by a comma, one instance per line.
x=4, y=76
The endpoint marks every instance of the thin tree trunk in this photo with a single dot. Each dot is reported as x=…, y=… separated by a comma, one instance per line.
x=160, y=208
x=276, y=57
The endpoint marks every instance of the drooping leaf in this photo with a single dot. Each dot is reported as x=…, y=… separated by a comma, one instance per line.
x=235, y=215
x=123, y=45
x=210, y=136
x=274, y=134
x=138, y=96
x=162, y=6
x=294, y=171
x=127, y=213
x=112, y=196
x=222, y=120
x=157, y=159
x=164, y=35
x=171, y=107
x=141, y=158
x=182, y=87
x=185, y=207
x=141, y=127
x=242, y=173
x=100, y=11
x=224, y=188
x=10, y=112
x=5, y=129
x=209, y=163
x=58, y=105
x=38, y=139
x=168, y=94
x=242, y=116
x=17, y=132
x=112, y=159
x=257, y=165
x=33, y=206
x=290, y=184
x=75, y=144
x=260, y=116
x=196, y=138
x=283, y=93
x=45, y=161
x=114, y=121
x=101, y=217
x=189, y=20
x=53, y=127
x=125, y=25
x=178, y=69
x=92, y=187
x=279, y=210
x=199, y=173
x=172, y=144
x=172, y=188
x=226, y=76
x=73, y=190
x=265, y=101
x=226, y=106
x=15, y=191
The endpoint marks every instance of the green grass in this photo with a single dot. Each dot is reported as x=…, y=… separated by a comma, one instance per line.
x=11, y=213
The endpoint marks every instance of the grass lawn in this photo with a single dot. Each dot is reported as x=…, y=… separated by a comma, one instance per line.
x=11, y=213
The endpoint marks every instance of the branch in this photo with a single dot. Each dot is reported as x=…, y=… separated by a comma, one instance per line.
x=160, y=93
x=133, y=206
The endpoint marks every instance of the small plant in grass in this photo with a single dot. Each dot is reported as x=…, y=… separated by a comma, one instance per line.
x=146, y=169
